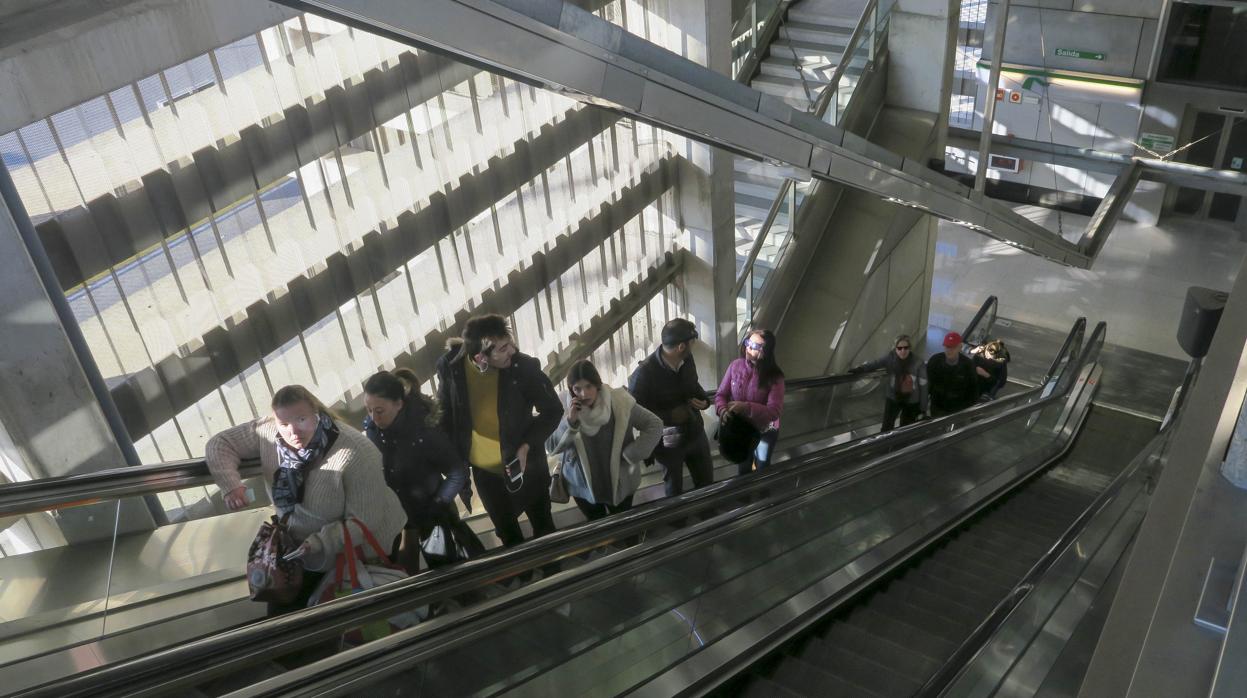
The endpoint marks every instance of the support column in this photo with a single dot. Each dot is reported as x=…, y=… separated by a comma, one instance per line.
x=49, y=410
x=707, y=200
x=922, y=39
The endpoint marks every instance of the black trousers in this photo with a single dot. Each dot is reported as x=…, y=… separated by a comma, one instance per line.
x=693, y=452
x=593, y=511
x=492, y=489
x=907, y=411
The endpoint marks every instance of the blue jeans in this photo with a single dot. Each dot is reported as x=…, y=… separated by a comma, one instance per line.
x=761, y=454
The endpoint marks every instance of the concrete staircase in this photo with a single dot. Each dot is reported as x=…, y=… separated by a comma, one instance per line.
x=799, y=64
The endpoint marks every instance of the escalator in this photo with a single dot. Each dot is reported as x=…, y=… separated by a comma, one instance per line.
x=894, y=639
x=797, y=539
x=141, y=592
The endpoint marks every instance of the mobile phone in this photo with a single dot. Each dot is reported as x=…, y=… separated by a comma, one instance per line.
x=249, y=495
x=515, y=474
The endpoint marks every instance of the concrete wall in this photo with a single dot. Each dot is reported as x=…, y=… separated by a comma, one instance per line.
x=64, y=53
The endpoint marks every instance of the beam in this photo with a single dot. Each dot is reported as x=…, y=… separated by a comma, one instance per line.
x=560, y=47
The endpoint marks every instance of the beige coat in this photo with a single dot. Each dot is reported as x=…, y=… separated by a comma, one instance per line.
x=348, y=482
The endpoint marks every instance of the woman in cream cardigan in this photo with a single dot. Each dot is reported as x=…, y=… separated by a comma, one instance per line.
x=316, y=468
x=600, y=459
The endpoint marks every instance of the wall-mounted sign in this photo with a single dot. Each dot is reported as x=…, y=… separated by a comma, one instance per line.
x=1075, y=53
x=1156, y=142
x=1004, y=163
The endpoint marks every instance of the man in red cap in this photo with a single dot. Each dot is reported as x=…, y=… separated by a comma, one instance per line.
x=951, y=382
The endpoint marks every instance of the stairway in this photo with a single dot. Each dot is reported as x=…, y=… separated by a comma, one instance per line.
x=808, y=45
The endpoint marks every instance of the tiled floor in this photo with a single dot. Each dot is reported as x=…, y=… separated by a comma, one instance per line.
x=1138, y=284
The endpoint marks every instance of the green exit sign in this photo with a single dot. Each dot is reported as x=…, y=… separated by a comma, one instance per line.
x=1075, y=53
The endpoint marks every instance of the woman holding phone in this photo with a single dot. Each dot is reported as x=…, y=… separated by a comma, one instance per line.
x=317, y=469
x=599, y=455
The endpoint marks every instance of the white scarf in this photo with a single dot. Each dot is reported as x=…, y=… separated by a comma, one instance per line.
x=597, y=416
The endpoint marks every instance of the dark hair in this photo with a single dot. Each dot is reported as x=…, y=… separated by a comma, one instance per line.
x=768, y=369
x=583, y=370
x=403, y=384
x=294, y=394
x=481, y=328
x=677, y=332
x=391, y=386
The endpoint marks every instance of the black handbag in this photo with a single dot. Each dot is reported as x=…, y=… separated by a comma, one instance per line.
x=738, y=438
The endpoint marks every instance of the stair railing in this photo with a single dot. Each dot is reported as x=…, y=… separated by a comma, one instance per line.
x=868, y=34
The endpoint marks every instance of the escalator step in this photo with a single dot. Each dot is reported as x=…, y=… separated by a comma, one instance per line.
x=991, y=585
x=1015, y=563
x=880, y=677
x=934, y=623
x=917, y=594
x=970, y=595
x=762, y=687
x=895, y=658
x=871, y=644
x=808, y=679
x=1001, y=541
x=1022, y=532
x=900, y=632
x=976, y=565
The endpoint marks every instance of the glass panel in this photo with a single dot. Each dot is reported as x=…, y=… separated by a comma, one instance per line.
x=55, y=571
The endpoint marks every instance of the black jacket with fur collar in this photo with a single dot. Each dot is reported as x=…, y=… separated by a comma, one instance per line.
x=528, y=408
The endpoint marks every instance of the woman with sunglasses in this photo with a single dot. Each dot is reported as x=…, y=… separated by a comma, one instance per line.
x=906, y=393
x=753, y=389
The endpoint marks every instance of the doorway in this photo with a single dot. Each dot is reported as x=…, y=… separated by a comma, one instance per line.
x=1220, y=141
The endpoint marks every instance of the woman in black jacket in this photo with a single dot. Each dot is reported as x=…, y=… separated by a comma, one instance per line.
x=905, y=395
x=421, y=465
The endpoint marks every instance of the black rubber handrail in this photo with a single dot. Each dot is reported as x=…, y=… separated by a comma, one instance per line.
x=34, y=496
x=311, y=625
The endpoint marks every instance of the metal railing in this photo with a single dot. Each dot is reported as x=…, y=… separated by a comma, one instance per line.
x=868, y=35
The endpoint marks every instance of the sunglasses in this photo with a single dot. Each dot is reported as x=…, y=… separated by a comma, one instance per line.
x=904, y=347
x=750, y=344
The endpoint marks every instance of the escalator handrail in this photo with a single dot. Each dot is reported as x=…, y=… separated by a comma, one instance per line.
x=33, y=496
x=990, y=304
x=537, y=598
x=966, y=652
x=325, y=621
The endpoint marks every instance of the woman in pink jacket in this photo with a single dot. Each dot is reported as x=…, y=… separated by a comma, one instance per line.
x=753, y=389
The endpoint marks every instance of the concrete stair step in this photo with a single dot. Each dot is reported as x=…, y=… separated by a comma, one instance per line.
x=825, y=14
x=816, y=72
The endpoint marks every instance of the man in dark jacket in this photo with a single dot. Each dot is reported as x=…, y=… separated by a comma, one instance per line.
x=489, y=391
x=951, y=379
x=666, y=384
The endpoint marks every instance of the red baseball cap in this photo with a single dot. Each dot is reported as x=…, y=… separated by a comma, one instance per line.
x=952, y=339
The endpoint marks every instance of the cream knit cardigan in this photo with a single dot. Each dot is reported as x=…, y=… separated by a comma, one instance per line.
x=348, y=482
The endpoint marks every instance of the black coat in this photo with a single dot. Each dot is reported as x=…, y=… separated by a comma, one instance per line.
x=421, y=465
x=952, y=387
x=666, y=393
x=522, y=389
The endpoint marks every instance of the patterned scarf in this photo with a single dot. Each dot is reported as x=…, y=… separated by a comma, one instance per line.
x=294, y=464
